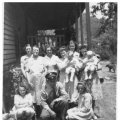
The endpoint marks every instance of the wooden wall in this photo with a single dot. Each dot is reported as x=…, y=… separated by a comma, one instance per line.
x=15, y=38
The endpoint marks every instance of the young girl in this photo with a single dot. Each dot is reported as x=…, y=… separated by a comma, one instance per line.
x=84, y=109
x=23, y=104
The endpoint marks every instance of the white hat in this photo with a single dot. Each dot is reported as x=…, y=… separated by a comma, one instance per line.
x=89, y=53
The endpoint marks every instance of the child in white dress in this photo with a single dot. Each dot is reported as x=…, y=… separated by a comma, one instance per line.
x=23, y=104
x=84, y=109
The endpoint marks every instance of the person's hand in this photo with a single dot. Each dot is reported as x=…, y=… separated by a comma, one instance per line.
x=52, y=103
x=53, y=114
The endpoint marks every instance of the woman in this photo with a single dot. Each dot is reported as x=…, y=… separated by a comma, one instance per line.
x=23, y=104
x=84, y=109
x=36, y=78
x=25, y=58
x=71, y=85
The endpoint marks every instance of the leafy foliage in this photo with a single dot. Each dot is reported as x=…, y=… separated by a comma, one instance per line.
x=107, y=33
x=109, y=19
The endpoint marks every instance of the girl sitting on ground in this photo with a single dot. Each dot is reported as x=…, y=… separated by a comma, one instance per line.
x=84, y=109
x=23, y=104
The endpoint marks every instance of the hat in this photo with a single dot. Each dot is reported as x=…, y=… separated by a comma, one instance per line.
x=52, y=68
x=51, y=76
x=89, y=53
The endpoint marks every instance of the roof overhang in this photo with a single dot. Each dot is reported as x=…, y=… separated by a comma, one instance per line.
x=52, y=15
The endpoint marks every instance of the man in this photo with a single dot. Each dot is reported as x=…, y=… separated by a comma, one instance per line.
x=54, y=99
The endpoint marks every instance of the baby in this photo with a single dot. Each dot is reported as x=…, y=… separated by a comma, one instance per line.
x=74, y=66
x=90, y=62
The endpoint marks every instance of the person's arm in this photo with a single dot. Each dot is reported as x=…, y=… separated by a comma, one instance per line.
x=22, y=65
x=43, y=98
x=62, y=93
x=63, y=64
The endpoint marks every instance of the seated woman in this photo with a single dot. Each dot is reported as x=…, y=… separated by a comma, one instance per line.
x=84, y=109
x=23, y=104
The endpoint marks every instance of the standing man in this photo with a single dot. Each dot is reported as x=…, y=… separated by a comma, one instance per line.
x=54, y=99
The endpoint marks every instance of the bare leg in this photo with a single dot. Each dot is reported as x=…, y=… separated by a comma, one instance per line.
x=86, y=72
x=72, y=74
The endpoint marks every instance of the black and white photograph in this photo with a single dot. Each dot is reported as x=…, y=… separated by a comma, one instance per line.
x=59, y=60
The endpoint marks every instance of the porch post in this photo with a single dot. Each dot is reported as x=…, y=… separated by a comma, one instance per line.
x=81, y=27
x=76, y=26
x=88, y=27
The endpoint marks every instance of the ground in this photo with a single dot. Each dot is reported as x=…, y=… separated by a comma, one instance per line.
x=108, y=103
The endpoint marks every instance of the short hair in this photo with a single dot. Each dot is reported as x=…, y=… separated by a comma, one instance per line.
x=48, y=46
x=36, y=46
x=27, y=45
x=21, y=84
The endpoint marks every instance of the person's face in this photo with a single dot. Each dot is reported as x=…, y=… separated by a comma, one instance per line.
x=72, y=47
x=22, y=91
x=49, y=51
x=80, y=89
x=84, y=51
x=35, y=51
x=63, y=53
x=28, y=50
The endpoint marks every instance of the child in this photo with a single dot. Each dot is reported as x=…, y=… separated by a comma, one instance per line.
x=90, y=62
x=23, y=104
x=70, y=69
x=84, y=109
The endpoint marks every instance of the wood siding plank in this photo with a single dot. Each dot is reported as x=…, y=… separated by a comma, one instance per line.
x=9, y=47
x=9, y=52
x=9, y=42
x=9, y=61
x=9, y=56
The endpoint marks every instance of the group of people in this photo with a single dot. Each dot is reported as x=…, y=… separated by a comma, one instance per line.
x=55, y=91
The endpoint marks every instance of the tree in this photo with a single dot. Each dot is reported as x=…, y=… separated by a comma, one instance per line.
x=109, y=19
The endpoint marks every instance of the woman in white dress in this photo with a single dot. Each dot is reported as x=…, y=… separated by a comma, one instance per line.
x=36, y=75
x=25, y=58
